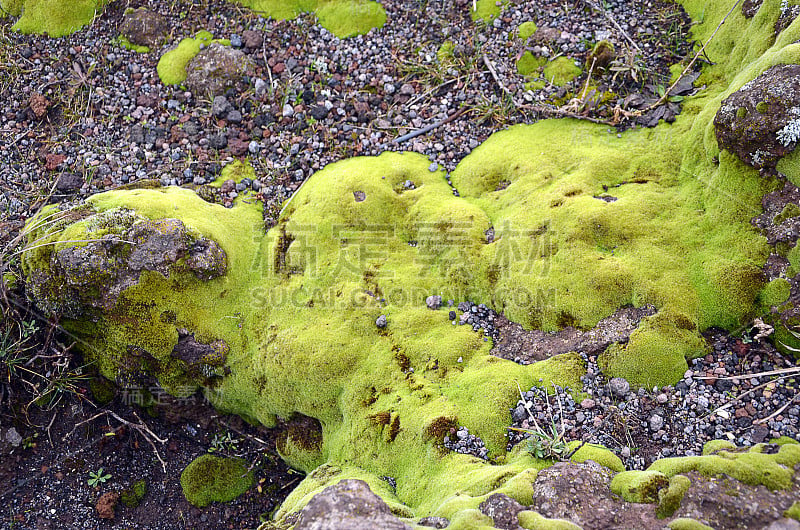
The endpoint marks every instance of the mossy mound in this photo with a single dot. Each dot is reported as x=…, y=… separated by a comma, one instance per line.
x=211, y=478
x=343, y=18
x=54, y=17
x=486, y=10
x=561, y=71
x=753, y=467
x=529, y=65
x=526, y=30
x=134, y=495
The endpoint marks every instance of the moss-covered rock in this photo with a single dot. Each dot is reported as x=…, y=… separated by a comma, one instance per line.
x=211, y=478
x=669, y=499
x=639, y=486
x=54, y=17
x=172, y=65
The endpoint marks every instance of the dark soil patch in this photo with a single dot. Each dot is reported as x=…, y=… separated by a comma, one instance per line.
x=45, y=479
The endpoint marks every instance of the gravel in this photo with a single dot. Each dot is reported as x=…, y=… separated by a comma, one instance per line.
x=332, y=97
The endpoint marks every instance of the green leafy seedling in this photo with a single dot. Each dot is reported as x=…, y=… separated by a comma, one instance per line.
x=98, y=477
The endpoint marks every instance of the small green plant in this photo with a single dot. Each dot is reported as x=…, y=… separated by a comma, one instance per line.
x=98, y=477
x=548, y=443
x=223, y=442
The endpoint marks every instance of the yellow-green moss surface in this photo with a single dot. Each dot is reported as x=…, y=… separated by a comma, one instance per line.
x=528, y=64
x=749, y=467
x=793, y=511
x=639, y=486
x=526, y=30
x=485, y=10
x=125, y=43
x=669, y=498
x=12, y=8
x=55, y=17
x=687, y=523
x=210, y=478
x=343, y=18
x=172, y=65
x=298, y=304
x=534, y=521
x=561, y=71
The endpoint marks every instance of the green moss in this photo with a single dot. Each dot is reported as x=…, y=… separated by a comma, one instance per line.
x=343, y=18
x=298, y=304
x=789, y=165
x=133, y=496
x=535, y=521
x=11, y=8
x=596, y=453
x=752, y=467
x=675, y=71
x=346, y=18
x=776, y=292
x=665, y=340
x=639, y=486
x=535, y=85
x=669, y=499
x=54, y=17
x=687, y=523
x=714, y=446
x=741, y=112
x=172, y=65
x=445, y=51
x=9, y=281
x=125, y=43
x=526, y=30
x=789, y=211
x=529, y=65
x=210, y=479
x=486, y=10
x=793, y=511
x=471, y=519
x=561, y=71
x=762, y=107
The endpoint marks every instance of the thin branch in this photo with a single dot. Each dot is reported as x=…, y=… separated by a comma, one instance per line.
x=793, y=370
x=497, y=80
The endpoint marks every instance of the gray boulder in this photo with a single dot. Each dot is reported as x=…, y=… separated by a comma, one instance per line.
x=760, y=122
x=349, y=504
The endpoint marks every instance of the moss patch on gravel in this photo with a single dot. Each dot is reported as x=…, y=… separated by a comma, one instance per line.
x=561, y=71
x=54, y=17
x=486, y=10
x=211, y=478
x=172, y=65
x=343, y=18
